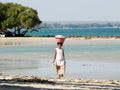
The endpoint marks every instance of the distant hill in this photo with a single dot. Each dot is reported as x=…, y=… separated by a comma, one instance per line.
x=71, y=25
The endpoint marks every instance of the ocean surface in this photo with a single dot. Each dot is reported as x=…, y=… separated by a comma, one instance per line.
x=78, y=32
x=92, y=59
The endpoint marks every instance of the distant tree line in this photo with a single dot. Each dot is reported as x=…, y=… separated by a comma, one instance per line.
x=76, y=25
x=17, y=20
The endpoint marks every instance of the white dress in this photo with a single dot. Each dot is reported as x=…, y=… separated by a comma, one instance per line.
x=60, y=59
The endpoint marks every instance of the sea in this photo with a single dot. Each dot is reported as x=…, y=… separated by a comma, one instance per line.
x=77, y=32
x=89, y=59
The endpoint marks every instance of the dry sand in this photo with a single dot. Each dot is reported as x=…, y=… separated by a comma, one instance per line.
x=12, y=82
x=70, y=37
x=51, y=40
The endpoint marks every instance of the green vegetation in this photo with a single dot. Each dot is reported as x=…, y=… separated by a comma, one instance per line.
x=77, y=25
x=17, y=20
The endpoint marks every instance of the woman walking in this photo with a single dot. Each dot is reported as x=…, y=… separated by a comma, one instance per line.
x=59, y=59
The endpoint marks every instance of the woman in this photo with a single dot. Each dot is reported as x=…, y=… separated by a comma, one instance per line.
x=59, y=60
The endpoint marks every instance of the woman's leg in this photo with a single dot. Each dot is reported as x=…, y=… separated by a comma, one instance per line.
x=58, y=71
x=63, y=70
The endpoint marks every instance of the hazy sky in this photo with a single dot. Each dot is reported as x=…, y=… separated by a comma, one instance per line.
x=74, y=10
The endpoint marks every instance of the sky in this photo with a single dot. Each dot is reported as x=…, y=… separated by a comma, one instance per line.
x=74, y=10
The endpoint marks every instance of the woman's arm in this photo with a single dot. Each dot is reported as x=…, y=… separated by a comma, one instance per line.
x=63, y=54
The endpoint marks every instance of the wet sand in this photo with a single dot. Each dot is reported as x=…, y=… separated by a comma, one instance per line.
x=12, y=82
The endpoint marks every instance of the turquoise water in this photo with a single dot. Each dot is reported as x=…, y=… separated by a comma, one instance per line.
x=99, y=59
x=78, y=32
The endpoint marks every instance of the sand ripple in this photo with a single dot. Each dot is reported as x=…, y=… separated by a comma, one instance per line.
x=36, y=83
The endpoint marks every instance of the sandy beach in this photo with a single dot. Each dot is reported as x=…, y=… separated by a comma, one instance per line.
x=10, y=40
x=29, y=40
x=59, y=45
x=28, y=82
x=12, y=82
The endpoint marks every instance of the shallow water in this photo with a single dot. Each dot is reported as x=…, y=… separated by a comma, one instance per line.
x=94, y=59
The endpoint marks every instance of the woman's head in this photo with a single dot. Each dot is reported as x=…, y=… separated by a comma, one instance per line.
x=59, y=44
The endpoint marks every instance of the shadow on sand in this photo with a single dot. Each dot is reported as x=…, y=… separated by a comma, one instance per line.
x=7, y=87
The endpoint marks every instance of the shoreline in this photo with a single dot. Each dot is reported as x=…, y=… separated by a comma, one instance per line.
x=70, y=37
x=45, y=83
x=95, y=37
